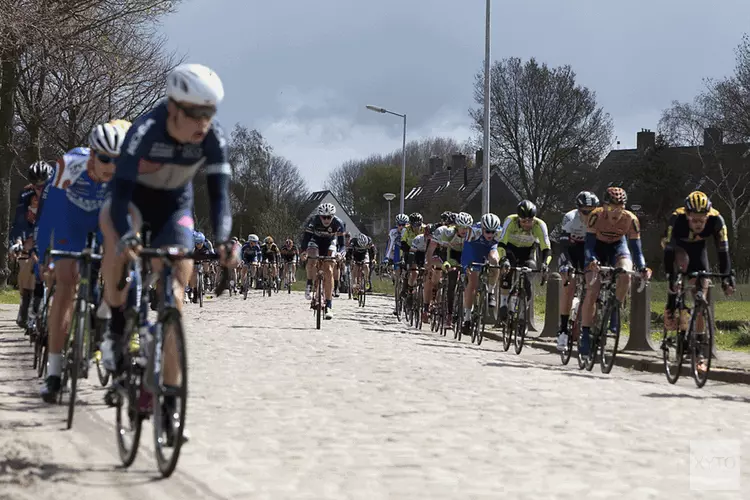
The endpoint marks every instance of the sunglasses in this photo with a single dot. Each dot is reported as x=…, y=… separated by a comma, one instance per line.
x=326, y=217
x=526, y=219
x=104, y=158
x=197, y=112
x=487, y=231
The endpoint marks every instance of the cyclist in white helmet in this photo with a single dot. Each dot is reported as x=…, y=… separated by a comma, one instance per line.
x=71, y=211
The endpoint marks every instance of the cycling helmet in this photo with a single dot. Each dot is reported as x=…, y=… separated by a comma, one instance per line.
x=697, y=202
x=107, y=138
x=402, y=219
x=451, y=218
x=491, y=222
x=464, y=220
x=446, y=216
x=39, y=171
x=615, y=196
x=526, y=210
x=124, y=124
x=586, y=199
x=327, y=209
x=253, y=238
x=268, y=240
x=200, y=238
x=362, y=239
x=415, y=219
x=195, y=84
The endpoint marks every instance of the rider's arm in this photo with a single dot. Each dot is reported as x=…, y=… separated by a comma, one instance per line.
x=19, y=221
x=589, y=248
x=721, y=239
x=134, y=147
x=218, y=175
x=669, y=243
x=541, y=233
x=390, y=246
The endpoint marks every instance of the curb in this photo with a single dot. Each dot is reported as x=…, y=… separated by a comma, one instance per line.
x=642, y=363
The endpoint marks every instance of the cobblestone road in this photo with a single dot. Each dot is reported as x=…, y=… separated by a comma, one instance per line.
x=367, y=408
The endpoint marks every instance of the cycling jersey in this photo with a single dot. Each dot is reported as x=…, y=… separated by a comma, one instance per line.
x=680, y=235
x=419, y=243
x=410, y=233
x=330, y=237
x=270, y=252
x=206, y=249
x=289, y=253
x=155, y=172
x=361, y=253
x=250, y=253
x=71, y=203
x=477, y=247
x=447, y=236
x=572, y=241
x=393, y=249
x=606, y=230
x=574, y=227
x=27, y=212
x=513, y=235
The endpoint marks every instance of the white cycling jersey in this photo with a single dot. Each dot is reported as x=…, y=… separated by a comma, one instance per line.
x=419, y=243
x=394, y=243
x=574, y=225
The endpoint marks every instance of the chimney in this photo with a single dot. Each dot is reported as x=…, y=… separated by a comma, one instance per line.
x=713, y=137
x=436, y=164
x=645, y=139
x=479, y=158
x=459, y=163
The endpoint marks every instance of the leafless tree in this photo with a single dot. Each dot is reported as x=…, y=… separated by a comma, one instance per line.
x=544, y=126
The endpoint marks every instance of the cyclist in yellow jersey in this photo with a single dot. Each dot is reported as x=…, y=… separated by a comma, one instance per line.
x=414, y=259
x=521, y=231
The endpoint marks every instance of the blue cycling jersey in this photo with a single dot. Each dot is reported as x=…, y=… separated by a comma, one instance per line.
x=70, y=204
x=155, y=172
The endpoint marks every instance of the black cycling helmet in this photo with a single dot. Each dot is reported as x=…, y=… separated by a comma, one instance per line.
x=526, y=210
x=587, y=199
x=446, y=216
x=415, y=219
x=39, y=172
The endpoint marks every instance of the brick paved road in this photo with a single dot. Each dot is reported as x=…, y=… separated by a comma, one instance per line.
x=366, y=408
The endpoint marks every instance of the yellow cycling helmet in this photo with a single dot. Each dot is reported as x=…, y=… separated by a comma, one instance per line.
x=124, y=124
x=697, y=202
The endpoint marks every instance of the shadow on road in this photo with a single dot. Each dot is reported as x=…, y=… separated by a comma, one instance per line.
x=704, y=397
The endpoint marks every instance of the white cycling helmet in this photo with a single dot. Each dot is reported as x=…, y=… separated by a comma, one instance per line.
x=464, y=220
x=107, y=138
x=253, y=237
x=402, y=219
x=39, y=171
x=362, y=239
x=490, y=222
x=195, y=84
x=327, y=209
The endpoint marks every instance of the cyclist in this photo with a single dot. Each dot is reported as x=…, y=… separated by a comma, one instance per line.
x=415, y=254
x=71, y=212
x=447, y=244
x=271, y=258
x=251, y=258
x=481, y=246
x=521, y=232
x=161, y=154
x=324, y=233
x=362, y=252
x=339, y=269
x=203, y=248
x=23, y=225
x=685, y=247
x=572, y=241
x=289, y=256
x=604, y=243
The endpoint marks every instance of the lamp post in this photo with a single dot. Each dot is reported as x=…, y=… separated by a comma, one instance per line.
x=487, y=91
x=403, y=153
x=388, y=197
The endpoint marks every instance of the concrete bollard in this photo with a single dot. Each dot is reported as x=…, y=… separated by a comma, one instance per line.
x=640, y=319
x=552, y=308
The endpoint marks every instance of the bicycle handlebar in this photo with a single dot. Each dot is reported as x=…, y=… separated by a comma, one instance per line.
x=617, y=271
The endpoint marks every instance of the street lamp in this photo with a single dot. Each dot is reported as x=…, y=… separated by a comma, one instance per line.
x=403, y=151
x=388, y=197
x=487, y=90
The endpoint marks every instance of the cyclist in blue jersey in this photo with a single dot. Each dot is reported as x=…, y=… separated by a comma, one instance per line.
x=203, y=248
x=163, y=151
x=251, y=259
x=481, y=246
x=324, y=236
x=22, y=227
x=393, y=248
x=71, y=211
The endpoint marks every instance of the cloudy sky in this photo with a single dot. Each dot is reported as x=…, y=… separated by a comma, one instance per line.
x=302, y=71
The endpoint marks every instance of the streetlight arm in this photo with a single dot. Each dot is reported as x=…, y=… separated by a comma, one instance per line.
x=378, y=109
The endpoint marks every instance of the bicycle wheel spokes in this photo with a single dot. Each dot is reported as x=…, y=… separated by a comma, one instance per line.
x=608, y=341
x=672, y=348
x=701, y=344
x=73, y=360
x=520, y=333
x=128, y=416
x=170, y=399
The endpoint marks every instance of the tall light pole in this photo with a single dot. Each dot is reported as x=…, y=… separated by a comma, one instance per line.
x=403, y=152
x=487, y=91
x=388, y=197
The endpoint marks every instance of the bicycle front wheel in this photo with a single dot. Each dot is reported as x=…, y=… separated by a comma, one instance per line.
x=701, y=345
x=520, y=333
x=608, y=339
x=170, y=400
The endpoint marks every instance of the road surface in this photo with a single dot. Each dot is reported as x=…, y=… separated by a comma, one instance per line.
x=368, y=408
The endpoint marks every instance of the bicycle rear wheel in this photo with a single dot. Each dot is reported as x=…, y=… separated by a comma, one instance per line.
x=701, y=344
x=128, y=416
x=673, y=349
x=73, y=360
x=170, y=402
x=318, y=298
x=520, y=331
